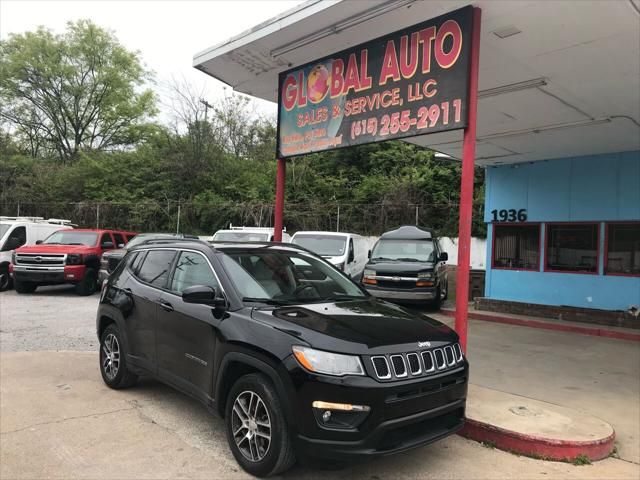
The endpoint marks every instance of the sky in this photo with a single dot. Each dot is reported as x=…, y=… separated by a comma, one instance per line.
x=167, y=33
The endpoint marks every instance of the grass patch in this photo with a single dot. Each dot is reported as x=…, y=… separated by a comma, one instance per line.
x=581, y=459
x=488, y=444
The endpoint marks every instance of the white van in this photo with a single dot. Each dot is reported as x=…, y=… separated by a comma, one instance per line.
x=248, y=234
x=347, y=251
x=18, y=231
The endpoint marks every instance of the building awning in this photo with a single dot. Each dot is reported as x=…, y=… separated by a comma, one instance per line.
x=557, y=79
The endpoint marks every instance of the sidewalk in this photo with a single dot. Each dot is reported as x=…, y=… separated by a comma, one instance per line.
x=595, y=375
x=549, y=324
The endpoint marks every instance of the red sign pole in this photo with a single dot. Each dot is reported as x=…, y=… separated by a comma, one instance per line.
x=466, y=188
x=280, y=180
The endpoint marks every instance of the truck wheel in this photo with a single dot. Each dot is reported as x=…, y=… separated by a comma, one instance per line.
x=5, y=280
x=24, y=287
x=446, y=291
x=113, y=363
x=89, y=284
x=257, y=430
x=437, y=301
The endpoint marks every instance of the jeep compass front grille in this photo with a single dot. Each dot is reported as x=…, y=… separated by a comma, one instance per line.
x=381, y=367
x=399, y=367
x=415, y=364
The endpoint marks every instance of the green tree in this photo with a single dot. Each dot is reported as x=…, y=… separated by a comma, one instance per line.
x=81, y=90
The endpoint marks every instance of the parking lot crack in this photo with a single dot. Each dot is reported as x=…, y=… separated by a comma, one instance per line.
x=102, y=414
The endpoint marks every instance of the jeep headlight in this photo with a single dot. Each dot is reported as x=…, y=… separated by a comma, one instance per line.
x=328, y=363
x=369, y=273
x=425, y=275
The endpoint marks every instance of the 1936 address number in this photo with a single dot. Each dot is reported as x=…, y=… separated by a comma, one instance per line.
x=510, y=215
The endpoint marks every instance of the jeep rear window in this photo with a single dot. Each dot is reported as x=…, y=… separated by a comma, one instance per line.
x=69, y=237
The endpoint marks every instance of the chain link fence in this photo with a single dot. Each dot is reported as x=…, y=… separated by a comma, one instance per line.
x=206, y=218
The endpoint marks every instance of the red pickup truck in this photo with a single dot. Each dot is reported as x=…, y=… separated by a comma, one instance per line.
x=66, y=256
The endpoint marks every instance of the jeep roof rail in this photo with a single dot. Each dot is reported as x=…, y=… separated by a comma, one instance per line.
x=173, y=240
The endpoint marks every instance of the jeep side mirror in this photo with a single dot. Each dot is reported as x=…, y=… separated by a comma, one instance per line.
x=202, y=294
x=106, y=245
x=38, y=242
x=444, y=256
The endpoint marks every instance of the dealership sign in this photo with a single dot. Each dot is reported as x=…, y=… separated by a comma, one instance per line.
x=411, y=82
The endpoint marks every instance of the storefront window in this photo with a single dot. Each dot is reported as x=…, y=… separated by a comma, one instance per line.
x=572, y=248
x=516, y=247
x=623, y=249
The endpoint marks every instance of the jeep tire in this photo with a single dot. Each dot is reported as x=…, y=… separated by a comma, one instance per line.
x=252, y=404
x=89, y=283
x=113, y=361
x=24, y=287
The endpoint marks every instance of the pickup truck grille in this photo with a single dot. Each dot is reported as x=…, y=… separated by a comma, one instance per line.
x=41, y=259
x=417, y=364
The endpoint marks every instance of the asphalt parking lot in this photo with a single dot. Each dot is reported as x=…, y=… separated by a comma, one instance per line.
x=58, y=420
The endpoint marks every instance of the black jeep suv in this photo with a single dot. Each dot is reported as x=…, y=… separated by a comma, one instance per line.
x=299, y=360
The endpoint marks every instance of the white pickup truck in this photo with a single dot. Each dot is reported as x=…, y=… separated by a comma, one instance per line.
x=18, y=231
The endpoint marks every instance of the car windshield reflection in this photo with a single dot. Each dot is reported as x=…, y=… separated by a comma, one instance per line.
x=281, y=277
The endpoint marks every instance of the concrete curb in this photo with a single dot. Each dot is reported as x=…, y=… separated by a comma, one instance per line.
x=537, y=447
x=594, y=331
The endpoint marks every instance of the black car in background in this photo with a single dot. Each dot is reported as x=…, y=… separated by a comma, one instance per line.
x=407, y=265
x=297, y=358
x=111, y=258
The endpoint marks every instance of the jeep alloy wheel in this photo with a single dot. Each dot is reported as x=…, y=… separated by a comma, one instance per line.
x=111, y=358
x=251, y=426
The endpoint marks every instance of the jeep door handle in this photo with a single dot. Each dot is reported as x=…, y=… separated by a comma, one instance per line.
x=166, y=306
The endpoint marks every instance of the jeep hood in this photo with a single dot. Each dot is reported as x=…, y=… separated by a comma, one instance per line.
x=367, y=326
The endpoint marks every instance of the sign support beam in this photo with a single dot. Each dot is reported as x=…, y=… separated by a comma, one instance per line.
x=281, y=175
x=466, y=188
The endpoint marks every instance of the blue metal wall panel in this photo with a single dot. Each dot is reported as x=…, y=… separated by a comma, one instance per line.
x=546, y=288
x=594, y=188
x=549, y=198
x=629, y=186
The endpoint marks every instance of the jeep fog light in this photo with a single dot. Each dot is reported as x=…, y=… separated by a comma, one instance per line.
x=339, y=416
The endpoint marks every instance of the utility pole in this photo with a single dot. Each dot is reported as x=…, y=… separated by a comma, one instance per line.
x=178, y=222
x=207, y=106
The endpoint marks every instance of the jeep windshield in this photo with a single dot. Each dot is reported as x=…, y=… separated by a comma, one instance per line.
x=69, y=237
x=325, y=245
x=282, y=277
x=240, y=236
x=403, y=250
